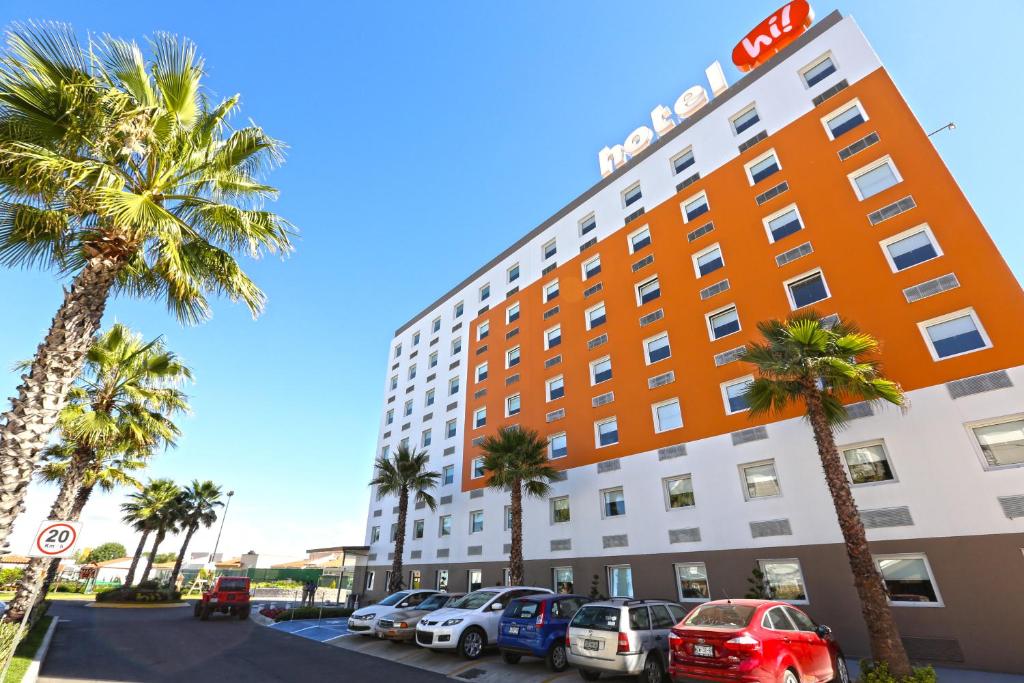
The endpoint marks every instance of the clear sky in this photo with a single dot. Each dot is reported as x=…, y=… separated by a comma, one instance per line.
x=425, y=138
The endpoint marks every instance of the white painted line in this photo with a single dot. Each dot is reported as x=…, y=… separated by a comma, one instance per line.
x=32, y=673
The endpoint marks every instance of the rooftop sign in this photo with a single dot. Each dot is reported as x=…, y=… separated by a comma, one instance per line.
x=774, y=33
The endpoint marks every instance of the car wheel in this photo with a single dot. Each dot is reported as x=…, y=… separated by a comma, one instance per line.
x=510, y=657
x=790, y=677
x=588, y=675
x=471, y=644
x=556, y=660
x=653, y=671
x=204, y=615
x=842, y=674
x=196, y=609
x=243, y=613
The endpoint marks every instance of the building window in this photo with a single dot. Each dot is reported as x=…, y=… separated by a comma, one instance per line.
x=657, y=348
x=512, y=358
x=745, y=119
x=556, y=388
x=398, y=350
x=481, y=372
x=868, y=463
x=588, y=225
x=444, y=526
x=818, y=70
x=513, y=273
x=806, y=289
x=562, y=580
x=425, y=438
x=760, y=480
x=549, y=249
x=874, y=178
x=508, y=519
x=763, y=166
x=449, y=428
x=447, y=475
x=416, y=339
x=954, y=334
x=435, y=326
x=408, y=408
x=708, y=260
x=389, y=417
x=479, y=418
x=474, y=580
x=783, y=223
x=679, y=492
x=1001, y=442
x=606, y=432
x=649, y=290
x=417, y=529
x=550, y=291
x=370, y=576
x=384, y=450
x=591, y=267
x=404, y=443
x=429, y=398
x=613, y=503
x=631, y=195
x=695, y=206
x=682, y=161
x=476, y=521
x=374, y=534
x=478, y=468
x=596, y=316
x=638, y=239
x=910, y=248
x=512, y=313
x=784, y=580
x=394, y=532
x=667, y=415
x=844, y=119
x=415, y=579
x=908, y=580
x=558, y=446
x=692, y=581
x=723, y=322
x=459, y=310
x=601, y=370
x=432, y=360
x=620, y=582
x=412, y=371
x=512, y=405
x=482, y=330
x=441, y=578
x=394, y=382
x=560, y=510
x=456, y=346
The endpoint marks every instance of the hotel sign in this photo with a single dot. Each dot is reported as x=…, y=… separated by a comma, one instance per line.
x=771, y=35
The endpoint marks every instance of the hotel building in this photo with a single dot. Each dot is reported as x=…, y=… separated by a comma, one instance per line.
x=614, y=329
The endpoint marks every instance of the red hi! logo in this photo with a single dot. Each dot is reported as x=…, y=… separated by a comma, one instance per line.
x=771, y=35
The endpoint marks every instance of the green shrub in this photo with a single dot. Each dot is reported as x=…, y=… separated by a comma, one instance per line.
x=149, y=584
x=313, y=613
x=138, y=594
x=10, y=576
x=878, y=672
x=69, y=587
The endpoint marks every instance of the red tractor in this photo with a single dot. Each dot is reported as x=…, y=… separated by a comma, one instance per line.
x=229, y=595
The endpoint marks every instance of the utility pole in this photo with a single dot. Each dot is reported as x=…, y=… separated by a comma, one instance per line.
x=221, y=530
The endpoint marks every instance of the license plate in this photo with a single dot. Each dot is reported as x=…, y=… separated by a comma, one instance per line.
x=703, y=650
x=589, y=644
x=513, y=630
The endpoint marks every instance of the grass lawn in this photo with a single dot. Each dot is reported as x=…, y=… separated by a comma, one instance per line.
x=27, y=650
x=7, y=597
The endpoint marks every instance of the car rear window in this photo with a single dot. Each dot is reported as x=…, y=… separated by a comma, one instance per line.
x=232, y=584
x=597, y=618
x=522, y=609
x=720, y=616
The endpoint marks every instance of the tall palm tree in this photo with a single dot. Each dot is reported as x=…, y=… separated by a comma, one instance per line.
x=153, y=510
x=199, y=503
x=403, y=474
x=804, y=362
x=118, y=173
x=516, y=460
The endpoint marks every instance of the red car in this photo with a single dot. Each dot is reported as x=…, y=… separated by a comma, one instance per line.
x=753, y=641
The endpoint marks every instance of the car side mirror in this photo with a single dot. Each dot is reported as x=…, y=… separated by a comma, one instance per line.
x=496, y=605
x=823, y=631
x=404, y=604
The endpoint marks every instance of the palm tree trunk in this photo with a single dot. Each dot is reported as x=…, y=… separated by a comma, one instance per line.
x=886, y=645
x=135, y=559
x=76, y=513
x=43, y=391
x=396, y=564
x=181, y=553
x=515, y=558
x=160, y=533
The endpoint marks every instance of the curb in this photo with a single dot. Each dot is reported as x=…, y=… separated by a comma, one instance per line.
x=32, y=673
x=261, y=620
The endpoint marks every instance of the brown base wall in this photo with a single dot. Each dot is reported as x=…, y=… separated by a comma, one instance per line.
x=980, y=580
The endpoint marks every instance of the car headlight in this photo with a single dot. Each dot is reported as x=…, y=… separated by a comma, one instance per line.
x=452, y=622
x=368, y=616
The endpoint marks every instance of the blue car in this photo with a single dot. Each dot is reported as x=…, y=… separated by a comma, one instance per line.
x=535, y=627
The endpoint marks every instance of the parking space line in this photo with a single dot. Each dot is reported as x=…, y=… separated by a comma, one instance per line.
x=557, y=676
x=466, y=667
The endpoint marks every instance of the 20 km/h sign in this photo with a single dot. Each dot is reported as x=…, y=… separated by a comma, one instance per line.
x=55, y=538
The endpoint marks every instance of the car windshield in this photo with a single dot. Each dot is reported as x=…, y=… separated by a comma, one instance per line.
x=597, y=618
x=720, y=616
x=474, y=600
x=523, y=609
x=394, y=599
x=433, y=602
x=232, y=584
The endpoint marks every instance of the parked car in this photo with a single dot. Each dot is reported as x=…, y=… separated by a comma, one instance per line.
x=401, y=625
x=622, y=636
x=754, y=641
x=470, y=624
x=365, y=619
x=535, y=627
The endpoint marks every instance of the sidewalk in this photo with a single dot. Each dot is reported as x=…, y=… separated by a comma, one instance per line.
x=955, y=675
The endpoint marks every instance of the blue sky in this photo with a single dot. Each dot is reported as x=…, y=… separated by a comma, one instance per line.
x=424, y=138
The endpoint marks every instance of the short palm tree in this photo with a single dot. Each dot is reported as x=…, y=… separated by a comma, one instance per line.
x=516, y=460
x=403, y=474
x=118, y=173
x=805, y=362
x=199, y=503
x=153, y=510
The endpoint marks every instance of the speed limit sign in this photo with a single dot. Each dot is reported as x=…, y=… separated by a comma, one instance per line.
x=55, y=538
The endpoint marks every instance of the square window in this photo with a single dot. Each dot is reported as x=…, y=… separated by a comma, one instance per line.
x=649, y=290
x=444, y=525
x=456, y=346
x=692, y=582
x=910, y=248
x=783, y=223
x=459, y=310
x=695, y=207
x=596, y=316
x=432, y=360
x=558, y=446
x=682, y=161
x=591, y=267
x=553, y=337
x=631, y=195
x=639, y=239
x=613, y=503
x=601, y=370
x=513, y=273
x=482, y=330
x=657, y=348
x=560, y=510
x=868, y=463
x=607, y=432
x=723, y=322
x=763, y=166
x=479, y=418
x=512, y=313
x=512, y=405
x=844, y=119
x=679, y=492
x=1001, y=443
x=478, y=468
x=874, y=178
x=556, y=388
x=734, y=394
x=448, y=475
x=435, y=325
x=784, y=580
x=512, y=358
x=425, y=438
x=708, y=261
x=818, y=70
x=760, y=480
x=745, y=119
x=481, y=372
x=485, y=292
x=588, y=225
x=476, y=521
x=806, y=289
x=954, y=334
x=429, y=398
x=450, y=428
x=908, y=580
x=417, y=528
x=667, y=415
x=550, y=291
x=549, y=249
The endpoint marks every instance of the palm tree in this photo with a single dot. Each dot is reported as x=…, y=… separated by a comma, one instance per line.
x=118, y=173
x=152, y=510
x=404, y=473
x=199, y=503
x=516, y=460
x=802, y=361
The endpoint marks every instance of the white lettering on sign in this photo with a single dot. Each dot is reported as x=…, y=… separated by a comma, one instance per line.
x=688, y=104
x=55, y=538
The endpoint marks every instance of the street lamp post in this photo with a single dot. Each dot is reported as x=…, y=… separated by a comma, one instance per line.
x=948, y=126
x=221, y=530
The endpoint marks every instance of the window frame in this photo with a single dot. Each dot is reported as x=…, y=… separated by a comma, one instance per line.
x=601, y=495
x=742, y=467
x=508, y=407
x=732, y=119
x=426, y=437
x=451, y=433
x=680, y=155
x=583, y=221
x=509, y=279
x=476, y=372
x=508, y=356
x=432, y=359
x=553, y=243
x=690, y=200
x=662, y=404
x=428, y=397
x=547, y=388
x=444, y=476
x=456, y=346
x=454, y=381
x=484, y=292
x=863, y=444
x=725, y=396
x=815, y=62
x=704, y=252
x=649, y=280
x=630, y=188
x=593, y=375
x=928, y=569
x=545, y=295
x=472, y=468
x=719, y=311
x=440, y=525
x=900, y=236
x=867, y=168
x=551, y=510
x=924, y=324
x=477, y=413
x=551, y=450
x=472, y=518
x=547, y=341
x=435, y=325
x=668, y=498
x=422, y=528
x=587, y=312
x=508, y=313
x=584, y=273
x=976, y=445
x=483, y=329
x=641, y=229
x=597, y=431
x=803, y=580
x=647, y=355
x=758, y=159
x=766, y=222
x=842, y=109
x=806, y=276
x=679, y=590
x=458, y=310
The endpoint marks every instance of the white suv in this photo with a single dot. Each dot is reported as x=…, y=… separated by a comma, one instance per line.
x=363, y=620
x=470, y=624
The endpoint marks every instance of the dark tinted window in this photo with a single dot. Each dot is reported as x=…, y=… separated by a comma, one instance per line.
x=802, y=621
x=677, y=613
x=232, y=584
x=639, y=619
x=597, y=618
x=661, y=618
x=775, y=618
x=721, y=616
x=566, y=607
